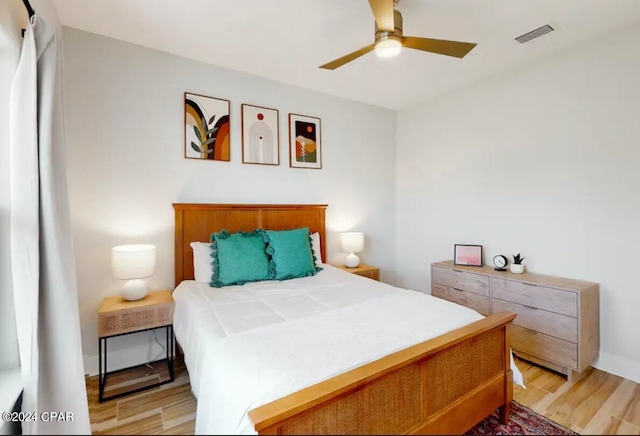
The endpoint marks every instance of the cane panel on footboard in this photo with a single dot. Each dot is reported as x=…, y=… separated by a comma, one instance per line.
x=442, y=386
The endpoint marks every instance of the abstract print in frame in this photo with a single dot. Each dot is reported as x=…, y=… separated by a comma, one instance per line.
x=207, y=134
x=305, y=149
x=260, y=135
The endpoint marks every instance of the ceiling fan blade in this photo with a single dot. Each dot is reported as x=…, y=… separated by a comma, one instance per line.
x=383, y=13
x=441, y=46
x=348, y=58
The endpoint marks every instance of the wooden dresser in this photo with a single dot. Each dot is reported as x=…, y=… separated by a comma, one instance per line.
x=557, y=318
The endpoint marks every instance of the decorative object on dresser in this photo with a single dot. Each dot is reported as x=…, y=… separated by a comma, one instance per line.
x=305, y=148
x=133, y=263
x=469, y=255
x=500, y=261
x=517, y=267
x=557, y=318
x=206, y=124
x=363, y=270
x=260, y=135
x=352, y=242
x=117, y=317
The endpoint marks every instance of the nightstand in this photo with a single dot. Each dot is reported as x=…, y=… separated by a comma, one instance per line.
x=362, y=270
x=118, y=317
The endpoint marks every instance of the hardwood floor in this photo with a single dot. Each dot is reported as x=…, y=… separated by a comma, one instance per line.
x=167, y=409
x=599, y=403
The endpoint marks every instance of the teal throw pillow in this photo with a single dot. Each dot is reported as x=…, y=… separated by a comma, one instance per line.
x=239, y=258
x=292, y=253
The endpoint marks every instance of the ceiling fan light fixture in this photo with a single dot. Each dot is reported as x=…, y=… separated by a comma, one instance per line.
x=389, y=38
x=388, y=47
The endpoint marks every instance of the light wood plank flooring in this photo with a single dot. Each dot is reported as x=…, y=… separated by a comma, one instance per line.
x=599, y=403
x=167, y=409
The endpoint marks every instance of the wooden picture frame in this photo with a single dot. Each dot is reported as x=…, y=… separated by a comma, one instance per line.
x=467, y=255
x=207, y=127
x=260, y=135
x=305, y=144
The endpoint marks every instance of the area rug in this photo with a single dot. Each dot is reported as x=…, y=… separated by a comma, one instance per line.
x=522, y=421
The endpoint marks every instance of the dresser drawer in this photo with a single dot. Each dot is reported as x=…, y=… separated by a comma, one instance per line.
x=551, y=299
x=463, y=280
x=553, y=324
x=544, y=346
x=477, y=302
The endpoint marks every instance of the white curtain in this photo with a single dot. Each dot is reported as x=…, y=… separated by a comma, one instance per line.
x=44, y=280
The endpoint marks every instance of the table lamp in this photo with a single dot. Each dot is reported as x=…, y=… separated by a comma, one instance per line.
x=133, y=263
x=352, y=242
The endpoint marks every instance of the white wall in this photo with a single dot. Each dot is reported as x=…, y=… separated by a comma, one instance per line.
x=124, y=118
x=543, y=161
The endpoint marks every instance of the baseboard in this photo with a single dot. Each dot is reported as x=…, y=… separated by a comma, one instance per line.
x=620, y=366
x=123, y=358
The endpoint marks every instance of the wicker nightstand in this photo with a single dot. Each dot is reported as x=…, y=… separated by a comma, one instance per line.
x=362, y=270
x=118, y=317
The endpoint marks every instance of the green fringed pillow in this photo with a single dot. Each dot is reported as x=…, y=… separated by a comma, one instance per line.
x=292, y=253
x=239, y=258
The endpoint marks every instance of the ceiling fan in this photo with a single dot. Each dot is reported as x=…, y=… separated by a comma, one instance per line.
x=389, y=40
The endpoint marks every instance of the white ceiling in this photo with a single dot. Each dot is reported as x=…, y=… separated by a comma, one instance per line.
x=286, y=40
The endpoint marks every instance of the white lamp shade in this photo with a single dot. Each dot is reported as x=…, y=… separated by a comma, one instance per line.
x=352, y=242
x=133, y=261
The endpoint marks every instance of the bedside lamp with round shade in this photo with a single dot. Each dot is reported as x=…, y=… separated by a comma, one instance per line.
x=133, y=263
x=352, y=242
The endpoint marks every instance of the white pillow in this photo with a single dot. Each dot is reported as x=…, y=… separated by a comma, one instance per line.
x=202, y=267
x=315, y=244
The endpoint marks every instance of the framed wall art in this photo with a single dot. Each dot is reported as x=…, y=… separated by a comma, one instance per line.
x=207, y=133
x=260, y=135
x=469, y=255
x=305, y=147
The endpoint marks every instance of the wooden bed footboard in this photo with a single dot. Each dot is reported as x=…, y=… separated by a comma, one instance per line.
x=445, y=385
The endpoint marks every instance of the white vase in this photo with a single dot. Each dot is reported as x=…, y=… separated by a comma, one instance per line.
x=516, y=268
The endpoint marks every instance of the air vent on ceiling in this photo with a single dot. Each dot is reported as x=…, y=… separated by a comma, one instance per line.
x=534, y=34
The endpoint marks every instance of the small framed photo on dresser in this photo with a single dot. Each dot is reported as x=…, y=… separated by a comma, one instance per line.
x=467, y=255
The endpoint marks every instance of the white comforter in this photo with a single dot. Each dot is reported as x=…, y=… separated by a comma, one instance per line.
x=248, y=345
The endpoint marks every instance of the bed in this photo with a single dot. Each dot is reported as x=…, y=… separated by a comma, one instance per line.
x=303, y=356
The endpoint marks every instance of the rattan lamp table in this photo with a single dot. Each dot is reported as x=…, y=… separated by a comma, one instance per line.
x=118, y=317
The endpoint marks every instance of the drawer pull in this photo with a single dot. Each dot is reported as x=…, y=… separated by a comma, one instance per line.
x=457, y=270
x=530, y=307
x=529, y=284
x=533, y=332
x=459, y=290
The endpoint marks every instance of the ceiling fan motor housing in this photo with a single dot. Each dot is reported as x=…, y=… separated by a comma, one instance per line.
x=396, y=34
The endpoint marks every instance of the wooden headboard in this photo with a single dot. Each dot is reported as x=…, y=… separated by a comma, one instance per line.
x=196, y=222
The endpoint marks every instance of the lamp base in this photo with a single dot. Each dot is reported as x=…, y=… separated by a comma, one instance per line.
x=133, y=290
x=352, y=261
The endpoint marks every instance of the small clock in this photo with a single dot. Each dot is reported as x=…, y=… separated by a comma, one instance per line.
x=500, y=262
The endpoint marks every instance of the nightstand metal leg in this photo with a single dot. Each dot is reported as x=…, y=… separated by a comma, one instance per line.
x=170, y=350
x=99, y=369
x=102, y=367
